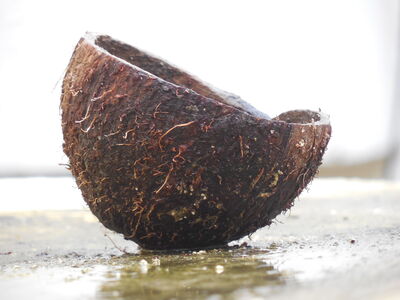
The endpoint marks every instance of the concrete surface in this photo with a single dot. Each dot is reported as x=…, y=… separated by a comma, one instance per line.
x=340, y=241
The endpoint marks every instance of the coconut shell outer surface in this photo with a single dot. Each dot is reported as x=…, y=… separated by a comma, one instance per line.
x=170, y=168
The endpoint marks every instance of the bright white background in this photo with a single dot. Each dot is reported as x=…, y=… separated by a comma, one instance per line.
x=339, y=56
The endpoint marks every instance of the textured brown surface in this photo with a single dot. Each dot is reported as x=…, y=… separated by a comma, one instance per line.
x=171, y=168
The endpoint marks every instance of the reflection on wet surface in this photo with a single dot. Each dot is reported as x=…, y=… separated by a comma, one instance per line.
x=149, y=275
x=191, y=275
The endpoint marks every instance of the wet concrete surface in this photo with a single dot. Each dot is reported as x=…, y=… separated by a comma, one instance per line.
x=340, y=241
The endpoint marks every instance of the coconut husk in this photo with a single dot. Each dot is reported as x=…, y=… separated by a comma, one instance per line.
x=171, y=162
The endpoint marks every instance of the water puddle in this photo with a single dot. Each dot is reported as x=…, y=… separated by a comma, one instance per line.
x=147, y=275
x=192, y=275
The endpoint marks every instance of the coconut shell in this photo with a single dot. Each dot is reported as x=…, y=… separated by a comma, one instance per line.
x=172, y=163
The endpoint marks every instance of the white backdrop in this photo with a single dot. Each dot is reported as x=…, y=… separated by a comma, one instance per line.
x=339, y=56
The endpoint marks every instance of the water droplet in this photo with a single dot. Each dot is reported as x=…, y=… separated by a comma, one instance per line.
x=144, y=266
x=219, y=269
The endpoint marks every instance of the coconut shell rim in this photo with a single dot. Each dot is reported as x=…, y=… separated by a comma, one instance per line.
x=91, y=37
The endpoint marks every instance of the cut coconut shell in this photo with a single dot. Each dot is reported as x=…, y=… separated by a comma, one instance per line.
x=172, y=163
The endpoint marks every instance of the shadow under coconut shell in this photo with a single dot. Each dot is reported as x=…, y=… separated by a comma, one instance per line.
x=187, y=250
x=190, y=275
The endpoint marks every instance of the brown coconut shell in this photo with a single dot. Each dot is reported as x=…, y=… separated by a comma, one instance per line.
x=170, y=162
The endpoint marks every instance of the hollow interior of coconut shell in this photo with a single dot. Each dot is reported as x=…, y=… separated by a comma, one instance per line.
x=157, y=67
x=300, y=117
x=174, y=75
